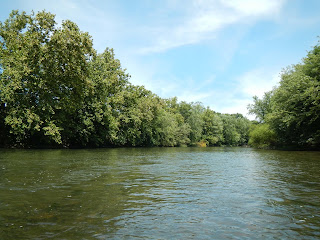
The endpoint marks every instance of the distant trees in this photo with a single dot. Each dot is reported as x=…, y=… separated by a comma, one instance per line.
x=57, y=91
x=235, y=129
x=292, y=110
x=212, y=130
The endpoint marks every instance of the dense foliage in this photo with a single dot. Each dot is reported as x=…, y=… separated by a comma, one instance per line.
x=291, y=112
x=57, y=91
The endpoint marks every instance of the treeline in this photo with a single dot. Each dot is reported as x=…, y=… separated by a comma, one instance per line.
x=289, y=115
x=57, y=91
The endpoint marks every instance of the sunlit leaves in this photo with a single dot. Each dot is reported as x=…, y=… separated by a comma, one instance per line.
x=44, y=74
x=292, y=110
x=55, y=90
x=262, y=136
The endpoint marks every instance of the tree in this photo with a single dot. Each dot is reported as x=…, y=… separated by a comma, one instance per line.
x=261, y=107
x=243, y=126
x=292, y=110
x=170, y=125
x=262, y=136
x=44, y=76
x=296, y=108
x=235, y=129
x=212, y=127
x=135, y=109
x=99, y=115
x=230, y=134
x=55, y=90
x=311, y=63
x=193, y=116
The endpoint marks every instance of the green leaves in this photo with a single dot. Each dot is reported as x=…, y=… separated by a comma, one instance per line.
x=55, y=90
x=262, y=136
x=44, y=76
x=292, y=110
x=212, y=128
x=235, y=129
x=261, y=107
x=295, y=114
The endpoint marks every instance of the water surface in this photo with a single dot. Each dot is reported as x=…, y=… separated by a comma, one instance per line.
x=159, y=193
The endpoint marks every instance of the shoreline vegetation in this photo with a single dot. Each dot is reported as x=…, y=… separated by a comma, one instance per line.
x=56, y=91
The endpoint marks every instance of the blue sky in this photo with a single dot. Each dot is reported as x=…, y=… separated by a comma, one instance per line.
x=218, y=52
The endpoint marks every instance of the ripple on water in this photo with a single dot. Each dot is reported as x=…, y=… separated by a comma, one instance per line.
x=160, y=193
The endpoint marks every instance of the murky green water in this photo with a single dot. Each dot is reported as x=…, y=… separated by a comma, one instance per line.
x=159, y=193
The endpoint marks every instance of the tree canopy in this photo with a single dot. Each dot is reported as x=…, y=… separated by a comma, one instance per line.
x=292, y=110
x=57, y=91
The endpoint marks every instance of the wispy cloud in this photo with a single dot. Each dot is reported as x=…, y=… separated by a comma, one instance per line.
x=253, y=7
x=235, y=98
x=254, y=82
x=258, y=81
x=203, y=19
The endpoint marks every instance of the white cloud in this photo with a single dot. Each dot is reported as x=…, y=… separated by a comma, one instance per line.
x=204, y=18
x=235, y=98
x=258, y=81
x=252, y=83
x=236, y=106
x=191, y=96
x=254, y=7
x=99, y=20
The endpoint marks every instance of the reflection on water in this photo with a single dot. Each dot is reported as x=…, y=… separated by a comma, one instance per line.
x=159, y=193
